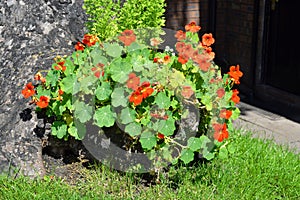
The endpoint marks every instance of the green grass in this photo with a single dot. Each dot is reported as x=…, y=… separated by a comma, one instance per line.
x=259, y=169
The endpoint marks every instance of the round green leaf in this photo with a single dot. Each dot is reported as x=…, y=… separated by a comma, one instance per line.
x=104, y=117
x=133, y=129
x=187, y=156
x=148, y=140
x=103, y=91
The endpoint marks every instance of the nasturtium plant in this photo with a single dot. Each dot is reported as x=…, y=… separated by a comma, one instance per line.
x=175, y=102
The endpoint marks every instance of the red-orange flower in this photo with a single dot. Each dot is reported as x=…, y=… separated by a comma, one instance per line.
x=203, y=62
x=187, y=91
x=155, y=41
x=221, y=92
x=79, y=46
x=133, y=81
x=180, y=35
x=207, y=39
x=182, y=60
x=28, y=91
x=160, y=136
x=235, y=74
x=136, y=98
x=235, y=98
x=192, y=27
x=225, y=114
x=98, y=70
x=90, y=40
x=127, y=37
x=60, y=66
x=221, y=132
x=39, y=77
x=43, y=102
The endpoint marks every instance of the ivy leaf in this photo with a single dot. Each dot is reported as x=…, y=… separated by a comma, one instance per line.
x=119, y=70
x=118, y=98
x=187, y=156
x=127, y=115
x=133, y=129
x=103, y=91
x=168, y=128
x=162, y=101
x=148, y=140
x=194, y=143
x=113, y=50
x=83, y=112
x=104, y=117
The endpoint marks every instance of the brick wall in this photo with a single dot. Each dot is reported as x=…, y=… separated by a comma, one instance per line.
x=181, y=12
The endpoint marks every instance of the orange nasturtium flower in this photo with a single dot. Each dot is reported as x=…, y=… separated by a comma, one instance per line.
x=43, y=102
x=133, y=81
x=39, y=77
x=180, y=35
x=192, y=27
x=160, y=136
x=235, y=74
x=127, y=37
x=60, y=66
x=207, y=39
x=187, y=92
x=221, y=132
x=225, y=114
x=235, y=98
x=90, y=40
x=221, y=92
x=28, y=91
x=136, y=98
x=79, y=46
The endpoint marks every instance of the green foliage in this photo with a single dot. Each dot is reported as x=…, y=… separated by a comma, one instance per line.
x=151, y=95
x=107, y=18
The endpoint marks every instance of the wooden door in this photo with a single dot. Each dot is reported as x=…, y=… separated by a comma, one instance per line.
x=283, y=53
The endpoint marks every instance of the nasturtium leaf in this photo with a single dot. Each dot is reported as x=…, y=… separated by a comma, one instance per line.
x=97, y=57
x=162, y=101
x=223, y=152
x=204, y=140
x=208, y=155
x=81, y=129
x=168, y=128
x=230, y=148
x=88, y=84
x=103, y=91
x=73, y=131
x=67, y=83
x=52, y=77
x=187, y=156
x=83, y=112
x=42, y=92
x=127, y=115
x=194, y=143
x=118, y=98
x=206, y=100
x=119, y=70
x=235, y=113
x=113, y=50
x=69, y=67
x=148, y=140
x=104, y=117
x=58, y=108
x=133, y=129
x=59, y=129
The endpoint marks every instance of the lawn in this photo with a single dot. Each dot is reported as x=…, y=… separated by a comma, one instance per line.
x=259, y=169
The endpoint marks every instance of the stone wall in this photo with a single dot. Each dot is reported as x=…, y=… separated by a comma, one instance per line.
x=32, y=33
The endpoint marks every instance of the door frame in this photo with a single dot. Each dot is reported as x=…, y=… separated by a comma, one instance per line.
x=266, y=96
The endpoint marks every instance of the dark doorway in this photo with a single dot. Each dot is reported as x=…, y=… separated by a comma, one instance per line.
x=283, y=63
